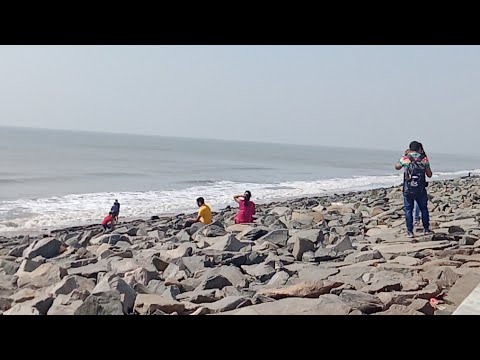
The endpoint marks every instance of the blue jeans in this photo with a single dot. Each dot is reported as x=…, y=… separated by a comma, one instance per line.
x=417, y=212
x=409, y=201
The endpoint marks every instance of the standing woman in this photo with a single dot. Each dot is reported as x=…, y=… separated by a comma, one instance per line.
x=246, y=208
x=417, y=212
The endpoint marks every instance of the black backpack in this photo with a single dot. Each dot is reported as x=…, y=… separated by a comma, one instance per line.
x=414, y=182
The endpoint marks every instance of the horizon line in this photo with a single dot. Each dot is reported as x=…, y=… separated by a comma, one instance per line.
x=192, y=138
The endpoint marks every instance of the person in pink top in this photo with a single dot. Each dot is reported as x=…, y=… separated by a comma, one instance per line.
x=246, y=208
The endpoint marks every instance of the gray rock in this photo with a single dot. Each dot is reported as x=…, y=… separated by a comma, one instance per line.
x=190, y=284
x=462, y=288
x=132, y=231
x=325, y=254
x=113, y=283
x=422, y=306
x=406, y=260
x=5, y=303
x=9, y=267
x=195, y=228
x=214, y=282
x=309, y=256
x=396, y=309
x=364, y=302
x=467, y=240
x=21, y=309
x=122, y=265
x=278, y=237
x=91, y=270
x=159, y=264
x=41, y=303
x=303, y=289
x=247, y=258
x=148, y=304
x=67, y=304
x=280, y=210
x=171, y=292
x=301, y=246
x=140, y=275
x=45, y=275
x=156, y=287
x=228, y=303
x=47, y=247
x=85, y=237
x=227, y=243
x=156, y=234
x=280, y=278
x=194, y=263
x=202, y=296
x=263, y=272
x=343, y=245
x=112, y=239
x=232, y=273
x=103, y=303
x=316, y=273
x=213, y=230
x=17, y=251
x=295, y=306
x=364, y=256
x=72, y=282
x=314, y=235
x=253, y=234
x=142, y=230
x=383, y=286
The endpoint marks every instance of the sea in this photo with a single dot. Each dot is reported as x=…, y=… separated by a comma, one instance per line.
x=51, y=179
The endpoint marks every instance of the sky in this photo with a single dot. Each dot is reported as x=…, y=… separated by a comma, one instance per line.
x=379, y=97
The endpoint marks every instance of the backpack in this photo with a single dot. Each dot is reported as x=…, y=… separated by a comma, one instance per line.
x=414, y=178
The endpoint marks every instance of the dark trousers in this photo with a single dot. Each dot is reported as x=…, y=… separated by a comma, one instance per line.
x=421, y=199
x=189, y=223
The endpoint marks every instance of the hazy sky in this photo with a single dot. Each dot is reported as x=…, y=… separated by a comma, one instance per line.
x=355, y=96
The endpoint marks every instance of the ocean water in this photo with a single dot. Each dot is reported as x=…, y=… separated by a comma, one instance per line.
x=52, y=178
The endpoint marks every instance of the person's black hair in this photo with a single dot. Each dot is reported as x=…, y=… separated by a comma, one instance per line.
x=110, y=213
x=421, y=148
x=415, y=146
x=247, y=195
x=200, y=200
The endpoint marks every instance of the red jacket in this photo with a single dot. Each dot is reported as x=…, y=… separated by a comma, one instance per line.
x=107, y=219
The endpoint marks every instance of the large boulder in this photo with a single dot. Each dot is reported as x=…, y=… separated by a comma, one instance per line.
x=227, y=243
x=111, y=282
x=103, y=303
x=47, y=247
x=301, y=246
x=262, y=271
x=72, y=282
x=278, y=237
x=295, y=306
x=303, y=290
x=364, y=302
x=8, y=267
x=146, y=304
x=45, y=275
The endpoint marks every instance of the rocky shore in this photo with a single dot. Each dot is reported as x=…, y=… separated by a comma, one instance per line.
x=340, y=254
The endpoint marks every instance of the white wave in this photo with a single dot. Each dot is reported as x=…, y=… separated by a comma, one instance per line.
x=81, y=209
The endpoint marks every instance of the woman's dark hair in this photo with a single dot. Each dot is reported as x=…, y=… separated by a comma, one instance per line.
x=247, y=195
x=415, y=146
x=421, y=148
